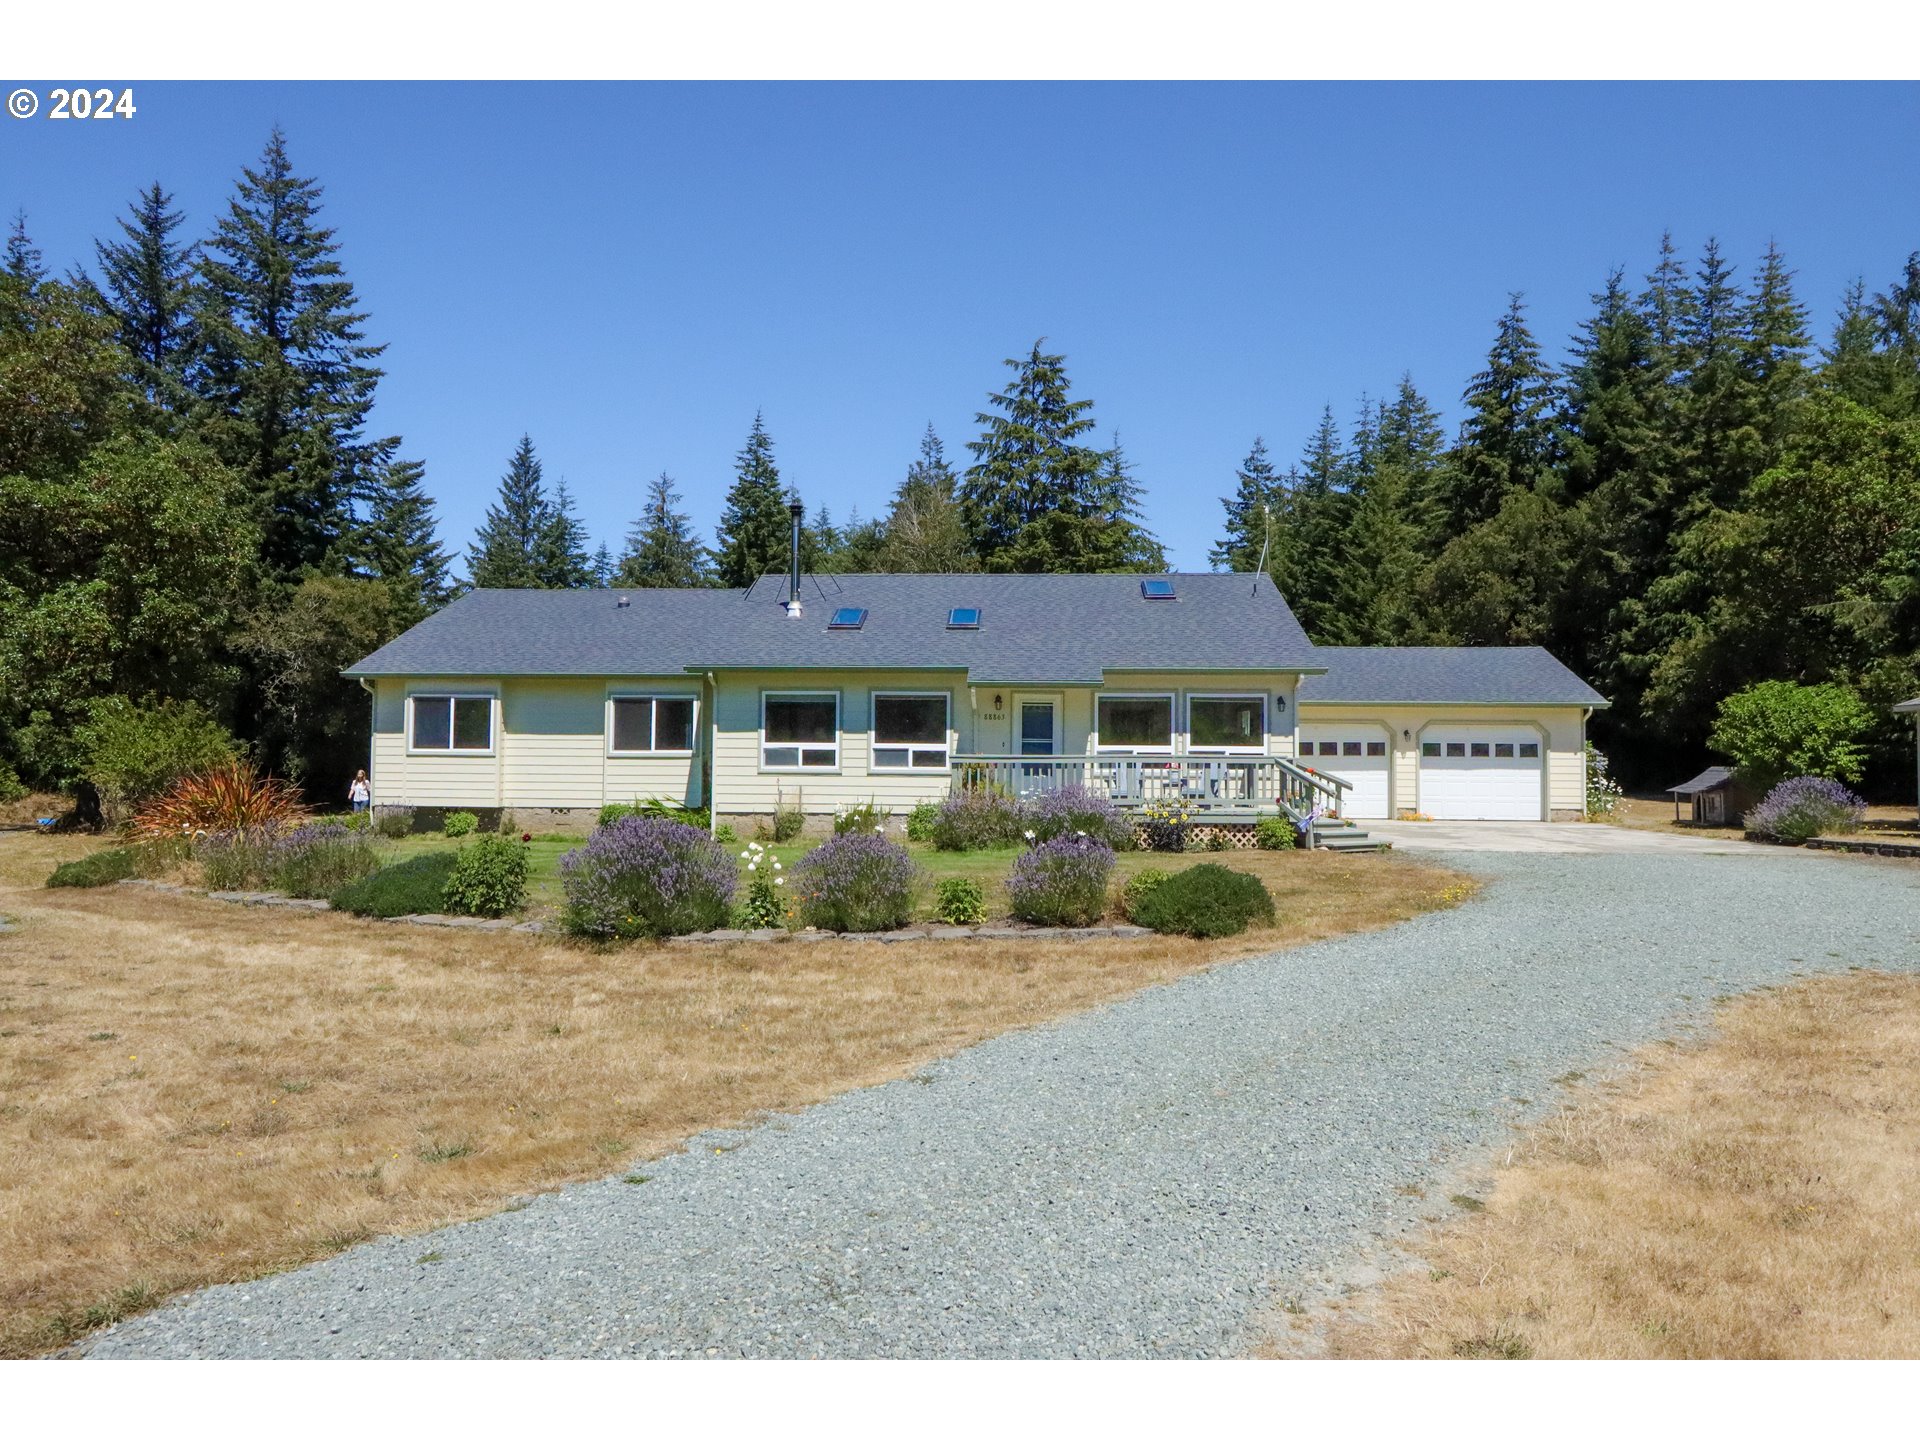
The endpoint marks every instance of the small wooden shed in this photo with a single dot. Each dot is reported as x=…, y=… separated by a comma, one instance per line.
x=1717, y=797
x=1912, y=707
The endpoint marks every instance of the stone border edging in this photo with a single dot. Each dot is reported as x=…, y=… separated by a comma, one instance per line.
x=1892, y=849
x=706, y=937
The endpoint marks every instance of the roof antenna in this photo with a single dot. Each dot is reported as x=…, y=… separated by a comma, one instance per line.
x=1266, y=513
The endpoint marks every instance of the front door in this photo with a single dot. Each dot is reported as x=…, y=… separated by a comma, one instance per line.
x=1036, y=725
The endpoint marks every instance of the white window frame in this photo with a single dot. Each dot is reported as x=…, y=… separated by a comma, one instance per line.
x=838, y=733
x=1173, y=722
x=656, y=696
x=875, y=744
x=1260, y=749
x=493, y=722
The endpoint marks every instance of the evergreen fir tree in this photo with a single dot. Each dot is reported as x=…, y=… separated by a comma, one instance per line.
x=821, y=543
x=1896, y=333
x=1315, y=553
x=755, y=531
x=602, y=567
x=662, y=552
x=147, y=289
x=1848, y=362
x=23, y=262
x=1028, y=462
x=507, y=552
x=1412, y=438
x=1777, y=347
x=560, y=558
x=397, y=543
x=1252, y=514
x=288, y=382
x=923, y=532
x=1507, y=440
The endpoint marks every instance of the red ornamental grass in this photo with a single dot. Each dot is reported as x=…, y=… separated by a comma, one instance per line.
x=229, y=796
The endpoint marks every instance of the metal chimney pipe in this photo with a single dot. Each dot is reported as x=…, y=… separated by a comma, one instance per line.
x=798, y=512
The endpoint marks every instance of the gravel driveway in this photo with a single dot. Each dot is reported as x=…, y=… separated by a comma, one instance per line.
x=1141, y=1180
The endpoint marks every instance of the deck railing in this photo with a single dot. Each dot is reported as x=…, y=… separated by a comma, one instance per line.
x=1244, y=785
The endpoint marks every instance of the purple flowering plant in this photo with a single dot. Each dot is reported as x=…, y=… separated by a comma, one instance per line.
x=645, y=877
x=1062, y=881
x=857, y=881
x=1074, y=809
x=1805, y=807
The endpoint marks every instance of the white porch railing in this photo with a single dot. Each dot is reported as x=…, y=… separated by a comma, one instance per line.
x=1220, y=785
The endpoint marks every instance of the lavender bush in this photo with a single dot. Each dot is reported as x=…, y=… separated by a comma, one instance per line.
x=315, y=860
x=977, y=818
x=1806, y=806
x=1061, y=882
x=857, y=882
x=642, y=876
x=236, y=859
x=1073, y=809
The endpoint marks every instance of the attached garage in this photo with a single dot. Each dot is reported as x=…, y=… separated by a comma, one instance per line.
x=1358, y=753
x=1449, y=732
x=1482, y=772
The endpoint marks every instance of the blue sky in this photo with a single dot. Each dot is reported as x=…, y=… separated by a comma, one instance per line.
x=628, y=272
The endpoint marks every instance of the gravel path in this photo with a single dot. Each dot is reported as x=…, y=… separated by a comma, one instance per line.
x=1141, y=1180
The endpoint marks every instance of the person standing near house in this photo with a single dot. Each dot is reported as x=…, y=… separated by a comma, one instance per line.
x=360, y=792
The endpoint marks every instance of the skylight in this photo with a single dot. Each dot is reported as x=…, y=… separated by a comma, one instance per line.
x=1157, y=589
x=963, y=617
x=850, y=617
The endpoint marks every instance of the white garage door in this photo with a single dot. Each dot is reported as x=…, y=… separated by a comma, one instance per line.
x=1356, y=754
x=1481, y=772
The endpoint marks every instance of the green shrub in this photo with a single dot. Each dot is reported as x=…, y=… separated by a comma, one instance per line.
x=489, y=877
x=1804, y=808
x=1206, y=901
x=1275, y=832
x=1778, y=729
x=960, y=901
x=655, y=808
x=1137, y=888
x=358, y=820
x=920, y=821
x=103, y=867
x=414, y=886
x=10, y=787
x=132, y=753
x=394, y=824
x=866, y=818
x=788, y=822
x=157, y=857
x=460, y=824
x=724, y=834
x=619, y=810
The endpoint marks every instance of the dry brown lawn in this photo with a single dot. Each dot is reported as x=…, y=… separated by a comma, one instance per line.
x=1644, y=812
x=194, y=1092
x=1753, y=1197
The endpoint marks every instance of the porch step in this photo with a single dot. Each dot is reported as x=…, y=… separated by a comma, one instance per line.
x=1345, y=835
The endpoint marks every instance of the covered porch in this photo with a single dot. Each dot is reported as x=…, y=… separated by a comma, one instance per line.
x=1212, y=787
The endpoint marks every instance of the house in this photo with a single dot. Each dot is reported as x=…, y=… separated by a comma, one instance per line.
x=1912, y=707
x=821, y=691
x=1717, y=797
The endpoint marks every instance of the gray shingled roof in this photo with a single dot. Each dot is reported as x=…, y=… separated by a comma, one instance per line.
x=1063, y=629
x=1711, y=778
x=1444, y=675
x=1908, y=707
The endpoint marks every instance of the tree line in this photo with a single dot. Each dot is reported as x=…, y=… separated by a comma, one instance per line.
x=1697, y=498
x=1037, y=498
x=193, y=509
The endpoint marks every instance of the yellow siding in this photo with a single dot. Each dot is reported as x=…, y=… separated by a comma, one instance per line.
x=741, y=787
x=550, y=748
x=980, y=727
x=1562, y=729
